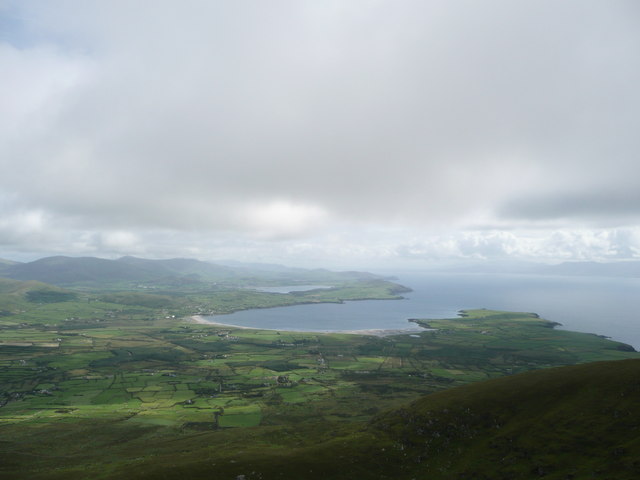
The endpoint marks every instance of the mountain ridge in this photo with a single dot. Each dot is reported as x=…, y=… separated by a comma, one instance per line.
x=66, y=270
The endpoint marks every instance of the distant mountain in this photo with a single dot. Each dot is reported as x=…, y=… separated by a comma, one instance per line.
x=5, y=262
x=595, y=269
x=67, y=270
x=267, y=267
x=63, y=270
x=179, y=266
x=498, y=267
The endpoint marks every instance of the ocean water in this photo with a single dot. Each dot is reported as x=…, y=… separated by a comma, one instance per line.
x=601, y=305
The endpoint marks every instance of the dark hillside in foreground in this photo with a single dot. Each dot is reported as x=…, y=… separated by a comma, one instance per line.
x=563, y=423
x=571, y=422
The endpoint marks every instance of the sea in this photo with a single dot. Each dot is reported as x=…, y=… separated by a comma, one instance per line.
x=601, y=305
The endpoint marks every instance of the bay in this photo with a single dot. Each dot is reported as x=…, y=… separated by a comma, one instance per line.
x=599, y=305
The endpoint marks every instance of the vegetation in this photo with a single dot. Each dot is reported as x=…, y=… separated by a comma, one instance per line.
x=572, y=422
x=121, y=385
x=131, y=273
x=562, y=423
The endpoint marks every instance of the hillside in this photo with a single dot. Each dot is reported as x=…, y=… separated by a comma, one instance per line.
x=16, y=295
x=563, y=423
x=571, y=422
x=4, y=262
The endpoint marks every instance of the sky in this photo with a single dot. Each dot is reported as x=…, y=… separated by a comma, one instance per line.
x=335, y=133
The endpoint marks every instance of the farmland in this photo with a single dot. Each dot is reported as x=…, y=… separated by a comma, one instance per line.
x=138, y=379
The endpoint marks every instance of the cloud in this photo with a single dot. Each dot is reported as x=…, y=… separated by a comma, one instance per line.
x=283, y=219
x=621, y=206
x=118, y=241
x=527, y=245
x=285, y=120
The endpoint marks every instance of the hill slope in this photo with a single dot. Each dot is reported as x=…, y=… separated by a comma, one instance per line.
x=15, y=295
x=4, y=262
x=62, y=270
x=561, y=423
x=571, y=422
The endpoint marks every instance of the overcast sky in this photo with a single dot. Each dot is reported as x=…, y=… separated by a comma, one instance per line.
x=337, y=133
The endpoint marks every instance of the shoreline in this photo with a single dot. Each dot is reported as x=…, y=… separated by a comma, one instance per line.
x=376, y=332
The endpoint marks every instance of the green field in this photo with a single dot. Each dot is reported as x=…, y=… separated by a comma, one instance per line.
x=89, y=386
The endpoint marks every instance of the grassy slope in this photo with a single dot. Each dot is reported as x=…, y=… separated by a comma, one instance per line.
x=572, y=422
x=186, y=287
x=20, y=296
x=563, y=423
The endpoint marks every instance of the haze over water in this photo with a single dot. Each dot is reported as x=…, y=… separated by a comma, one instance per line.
x=604, y=306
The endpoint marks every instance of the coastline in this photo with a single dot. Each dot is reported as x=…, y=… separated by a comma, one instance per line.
x=376, y=332
x=199, y=319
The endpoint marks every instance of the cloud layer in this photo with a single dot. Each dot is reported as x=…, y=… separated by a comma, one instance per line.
x=289, y=120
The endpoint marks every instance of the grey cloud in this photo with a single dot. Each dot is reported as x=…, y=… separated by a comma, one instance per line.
x=191, y=116
x=612, y=208
x=549, y=246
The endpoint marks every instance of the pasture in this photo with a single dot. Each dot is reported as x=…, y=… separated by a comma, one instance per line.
x=128, y=380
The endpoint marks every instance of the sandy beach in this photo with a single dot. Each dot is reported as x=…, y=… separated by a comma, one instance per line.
x=374, y=332
x=200, y=320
